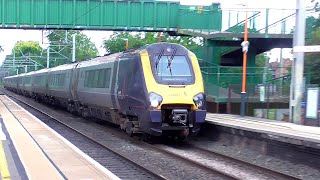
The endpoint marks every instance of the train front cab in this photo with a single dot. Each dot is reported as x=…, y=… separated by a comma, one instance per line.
x=176, y=91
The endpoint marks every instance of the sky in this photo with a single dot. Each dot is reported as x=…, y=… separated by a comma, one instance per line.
x=9, y=37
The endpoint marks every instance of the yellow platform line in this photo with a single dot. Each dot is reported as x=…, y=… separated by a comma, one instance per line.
x=4, y=170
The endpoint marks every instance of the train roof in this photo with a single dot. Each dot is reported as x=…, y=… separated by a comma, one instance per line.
x=7, y=77
x=100, y=60
x=97, y=60
x=63, y=67
x=27, y=74
x=12, y=76
x=41, y=71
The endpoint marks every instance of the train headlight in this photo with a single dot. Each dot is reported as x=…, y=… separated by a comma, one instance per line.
x=155, y=100
x=199, y=100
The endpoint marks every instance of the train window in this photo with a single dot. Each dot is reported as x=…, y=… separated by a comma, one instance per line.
x=86, y=77
x=108, y=77
x=98, y=78
x=57, y=80
x=89, y=79
x=101, y=75
x=61, y=79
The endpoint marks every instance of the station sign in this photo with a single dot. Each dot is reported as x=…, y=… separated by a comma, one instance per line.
x=262, y=93
x=299, y=49
x=312, y=103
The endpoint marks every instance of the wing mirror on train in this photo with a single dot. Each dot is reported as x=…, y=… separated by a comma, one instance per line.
x=199, y=100
x=155, y=100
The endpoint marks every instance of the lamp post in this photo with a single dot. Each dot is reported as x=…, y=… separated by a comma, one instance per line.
x=245, y=46
x=296, y=89
x=127, y=42
x=160, y=37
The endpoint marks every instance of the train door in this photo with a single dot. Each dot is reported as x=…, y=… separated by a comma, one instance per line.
x=121, y=87
x=114, y=85
x=74, y=82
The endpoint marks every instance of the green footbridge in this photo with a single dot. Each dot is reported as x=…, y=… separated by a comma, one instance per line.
x=222, y=57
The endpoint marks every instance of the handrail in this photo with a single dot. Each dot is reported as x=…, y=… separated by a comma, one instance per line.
x=241, y=22
x=273, y=24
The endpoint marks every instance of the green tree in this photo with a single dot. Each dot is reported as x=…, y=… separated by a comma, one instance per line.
x=261, y=60
x=312, y=60
x=25, y=48
x=61, y=47
x=117, y=42
x=29, y=51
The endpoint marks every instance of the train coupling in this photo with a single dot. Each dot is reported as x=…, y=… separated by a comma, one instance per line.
x=179, y=116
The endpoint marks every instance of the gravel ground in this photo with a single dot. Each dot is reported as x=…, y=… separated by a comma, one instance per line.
x=297, y=170
x=216, y=162
x=161, y=163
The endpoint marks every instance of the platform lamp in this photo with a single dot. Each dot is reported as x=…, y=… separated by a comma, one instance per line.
x=160, y=34
x=245, y=47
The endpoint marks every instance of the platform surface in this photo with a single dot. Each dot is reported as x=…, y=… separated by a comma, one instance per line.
x=271, y=127
x=43, y=153
x=10, y=165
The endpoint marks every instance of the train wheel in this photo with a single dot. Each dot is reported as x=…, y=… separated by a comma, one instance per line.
x=180, y=139
x=129, y=128
x=147, y=138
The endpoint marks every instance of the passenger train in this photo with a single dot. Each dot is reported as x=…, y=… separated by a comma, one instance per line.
x=156, y=90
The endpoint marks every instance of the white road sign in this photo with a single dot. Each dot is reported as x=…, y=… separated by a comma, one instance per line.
x=315, y=48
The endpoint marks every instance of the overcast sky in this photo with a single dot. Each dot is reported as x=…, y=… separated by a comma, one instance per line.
x=9, y=37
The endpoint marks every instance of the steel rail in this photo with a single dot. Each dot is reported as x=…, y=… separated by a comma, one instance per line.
x=245, y=163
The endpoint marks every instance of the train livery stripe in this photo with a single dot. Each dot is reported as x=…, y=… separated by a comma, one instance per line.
x=169, y=94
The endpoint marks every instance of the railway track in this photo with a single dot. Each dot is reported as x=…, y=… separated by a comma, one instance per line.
x=121, y=166
x=242, y=163
x=148, y=173
x=231, y=165
x=201, y=160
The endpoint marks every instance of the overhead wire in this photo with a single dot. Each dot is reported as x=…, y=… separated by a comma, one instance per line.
x=77, y=18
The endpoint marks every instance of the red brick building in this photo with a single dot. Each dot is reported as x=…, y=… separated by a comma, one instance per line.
x=275, y=67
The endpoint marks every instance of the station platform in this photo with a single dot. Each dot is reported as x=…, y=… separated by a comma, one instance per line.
x=29, y=149
x=270, y=129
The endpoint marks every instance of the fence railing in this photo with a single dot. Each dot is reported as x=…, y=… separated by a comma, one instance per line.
x=263, y=21
x=267, y=21
x=223, y=83
x=228, y=88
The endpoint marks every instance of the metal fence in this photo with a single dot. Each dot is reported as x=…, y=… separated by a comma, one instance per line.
x=223, y=83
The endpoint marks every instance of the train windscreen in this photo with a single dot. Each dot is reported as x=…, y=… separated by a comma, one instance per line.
x=176, y=70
